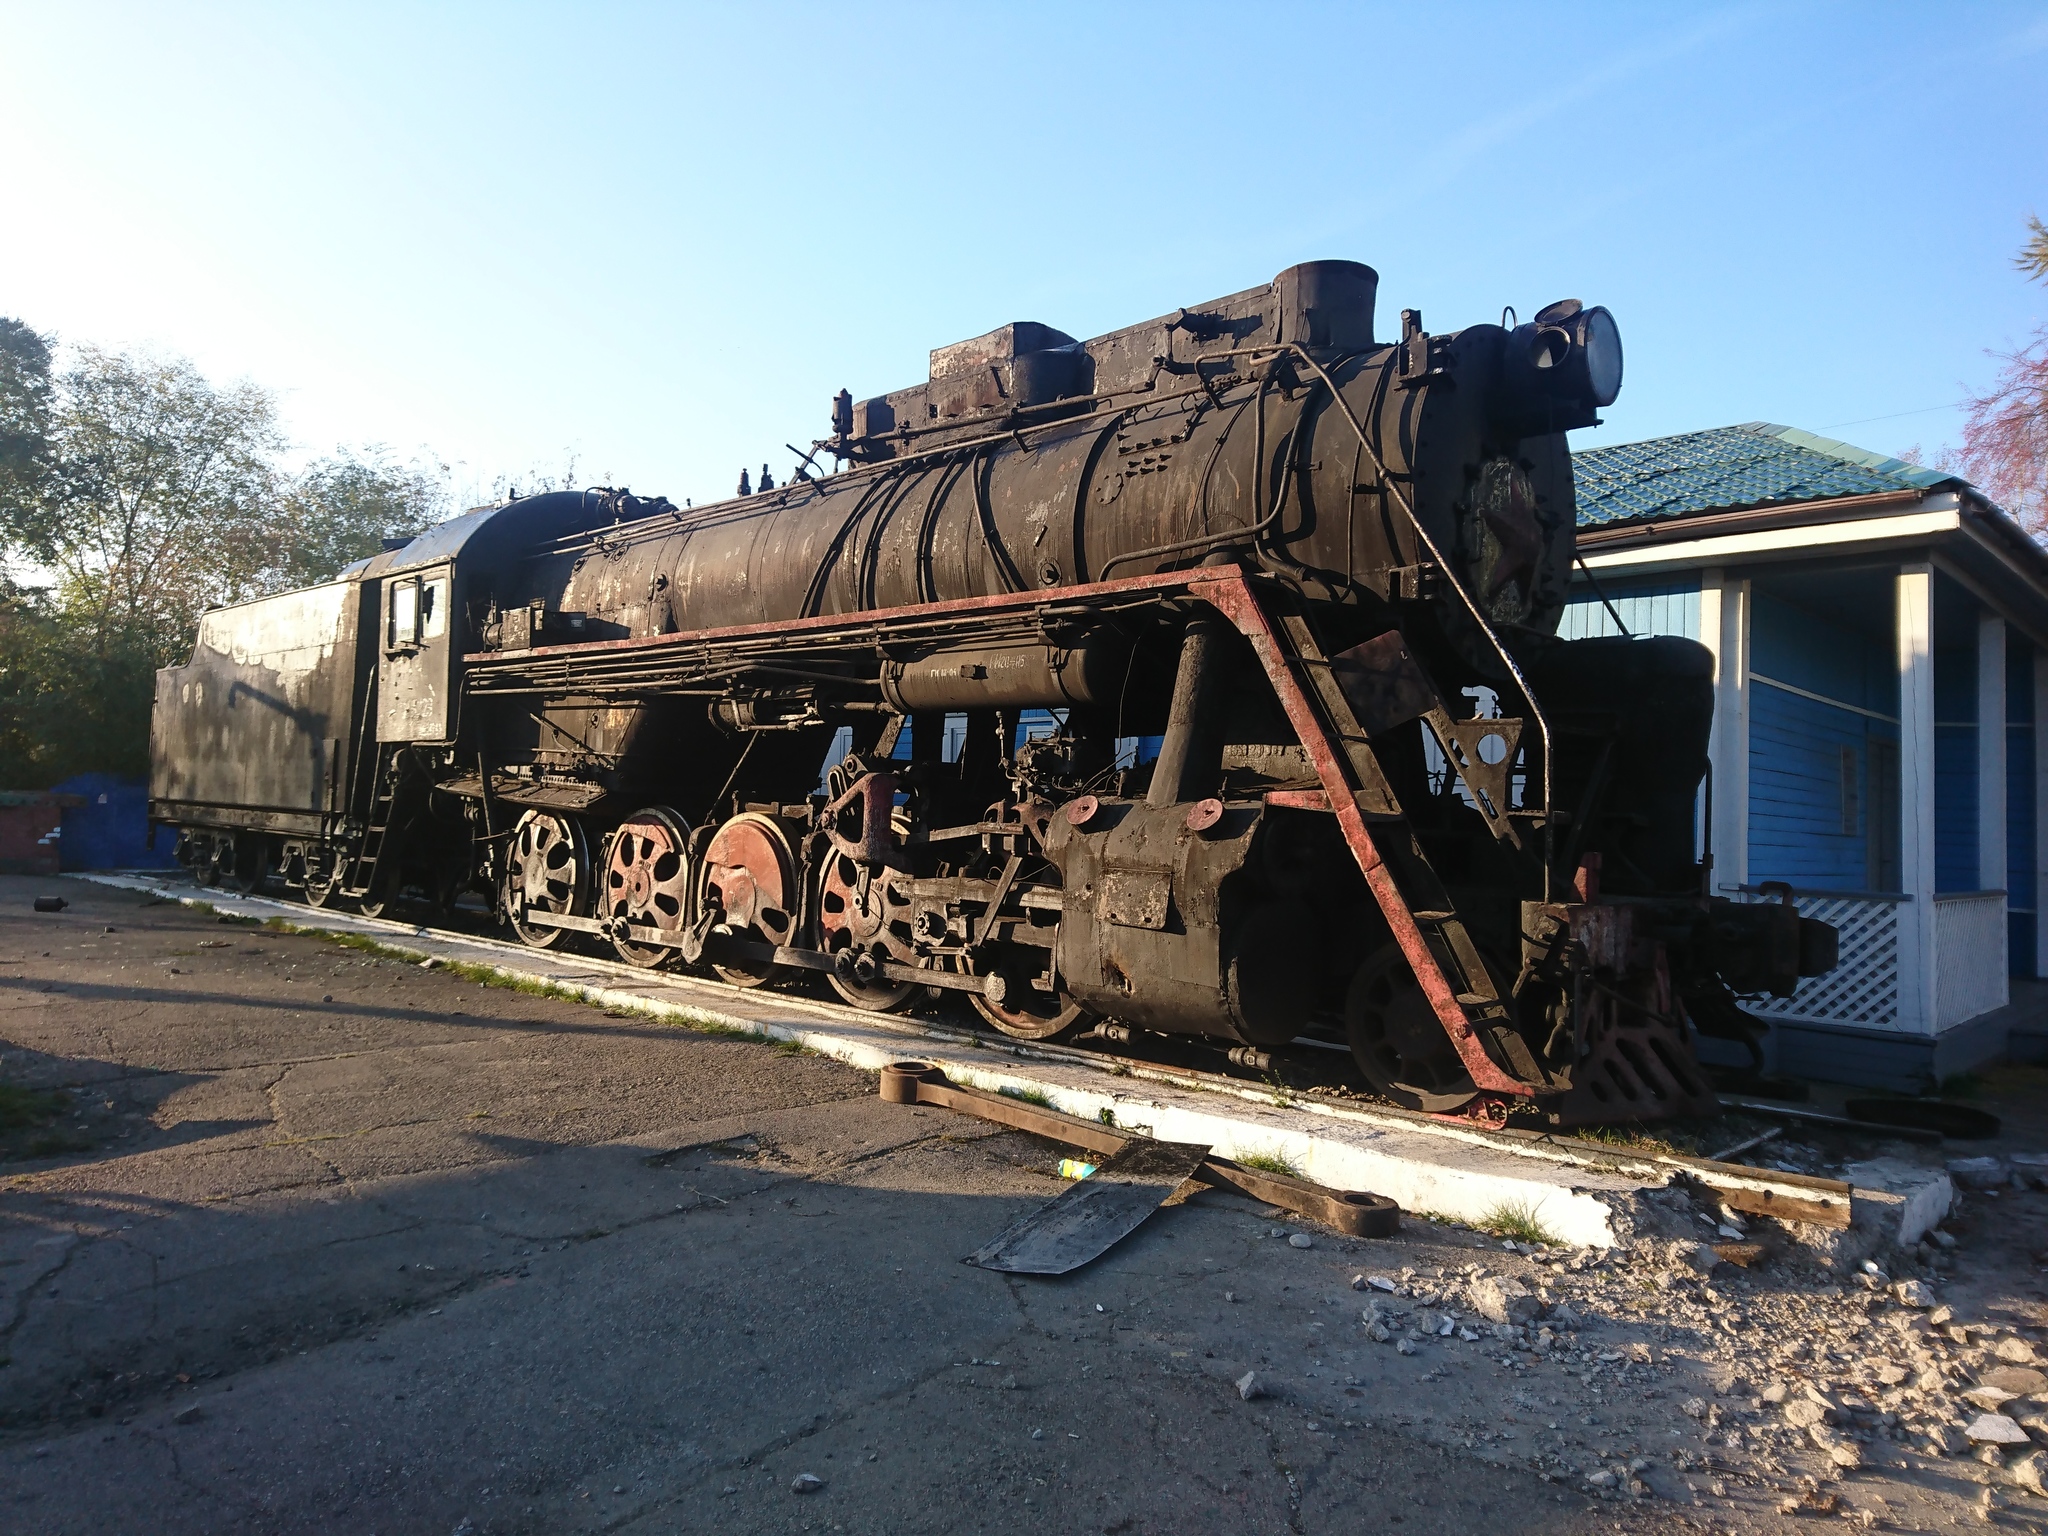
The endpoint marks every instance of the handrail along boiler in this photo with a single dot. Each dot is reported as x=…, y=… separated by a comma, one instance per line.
x=1388, y=806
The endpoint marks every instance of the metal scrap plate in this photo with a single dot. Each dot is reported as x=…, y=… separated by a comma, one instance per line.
x=1094, y=1215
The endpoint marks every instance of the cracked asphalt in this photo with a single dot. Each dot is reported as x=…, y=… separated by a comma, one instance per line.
x=325, y=1241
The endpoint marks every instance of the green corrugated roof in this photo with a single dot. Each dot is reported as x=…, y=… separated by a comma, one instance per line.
x=1756, y=464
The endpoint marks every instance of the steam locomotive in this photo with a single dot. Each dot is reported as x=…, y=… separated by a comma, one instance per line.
x=1244, y=624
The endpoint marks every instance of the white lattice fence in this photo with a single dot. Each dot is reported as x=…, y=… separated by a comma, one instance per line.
x=1863, y=988
x=1969, y=956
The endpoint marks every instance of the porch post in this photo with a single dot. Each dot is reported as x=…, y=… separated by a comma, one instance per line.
x=2040, y=792
x=1914, y=630
x=1724, y=629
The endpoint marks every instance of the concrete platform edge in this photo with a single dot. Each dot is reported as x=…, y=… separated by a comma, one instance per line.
x=1431, y=1170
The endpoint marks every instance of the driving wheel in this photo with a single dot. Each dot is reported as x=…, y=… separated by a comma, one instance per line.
x=647, y=884
x=547, y=869
x=864, y=916
x=749, y=882
x=1398, y=1041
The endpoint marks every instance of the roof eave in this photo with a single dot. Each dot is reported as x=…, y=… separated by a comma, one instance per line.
x=1771, y=514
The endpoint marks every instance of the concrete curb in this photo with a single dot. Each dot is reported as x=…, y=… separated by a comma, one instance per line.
x=1430, y=1168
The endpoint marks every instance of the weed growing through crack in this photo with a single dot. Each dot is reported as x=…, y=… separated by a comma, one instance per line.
x=1036, y=1096
x=1517, y=1219
x=1275, y=1161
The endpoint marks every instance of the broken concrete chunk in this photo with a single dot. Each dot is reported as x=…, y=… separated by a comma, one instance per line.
x=1995, y=1429
x=1249, y=1386
x=1300, y=1240
x=2019, y=1380
x=1504, y=1299
x=806, y=1482
x=191, y=1413
x=2029, y=1472
x=1914, y=1293
x=1805, y=1413
x=1841, y=1450
x=1980, y=1172
x=1988, y=1399
x=2015, y=1351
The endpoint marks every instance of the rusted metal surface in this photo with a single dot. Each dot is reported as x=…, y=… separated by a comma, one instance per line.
x=1093, y=1214
x=1353, y=1212
x=1250, y=529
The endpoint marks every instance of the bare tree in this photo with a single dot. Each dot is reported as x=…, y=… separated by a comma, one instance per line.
x=2004, y=449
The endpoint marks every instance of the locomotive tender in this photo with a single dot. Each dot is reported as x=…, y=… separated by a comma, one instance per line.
x=1388, y=807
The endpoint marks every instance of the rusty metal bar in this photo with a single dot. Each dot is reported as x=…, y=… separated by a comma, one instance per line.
x=1352, y=1212
x=1231, y=594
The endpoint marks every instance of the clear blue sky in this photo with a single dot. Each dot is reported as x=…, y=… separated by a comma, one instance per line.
x=659, y=237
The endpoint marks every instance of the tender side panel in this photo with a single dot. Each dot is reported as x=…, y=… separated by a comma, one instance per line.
x=261, y=719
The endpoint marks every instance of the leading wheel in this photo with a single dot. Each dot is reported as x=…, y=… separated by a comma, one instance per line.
x=547, y=870
x=1398, y=1041
x=373, y=901
x=646, y=883
x=864, y=924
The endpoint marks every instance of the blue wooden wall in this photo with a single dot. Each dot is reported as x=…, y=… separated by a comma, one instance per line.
x=1955, y=762
x=1816, y=689
x=1664, y=605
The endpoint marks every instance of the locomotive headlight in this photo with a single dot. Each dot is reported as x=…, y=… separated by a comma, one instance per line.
x=1562, y=366
x=1600, y=342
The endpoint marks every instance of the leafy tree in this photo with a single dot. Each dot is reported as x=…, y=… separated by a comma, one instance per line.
x=343, y=509
x=143, y=494
x=24, y=419
x=155, y=506
x=2033, y=256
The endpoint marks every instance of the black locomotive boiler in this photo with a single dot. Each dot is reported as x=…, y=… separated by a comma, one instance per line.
x=1320, y=571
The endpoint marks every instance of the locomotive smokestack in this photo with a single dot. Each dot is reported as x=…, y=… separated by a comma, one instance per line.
x=1327, y=305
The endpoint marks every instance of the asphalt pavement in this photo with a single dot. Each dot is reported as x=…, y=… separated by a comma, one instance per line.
x=325, y=1241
